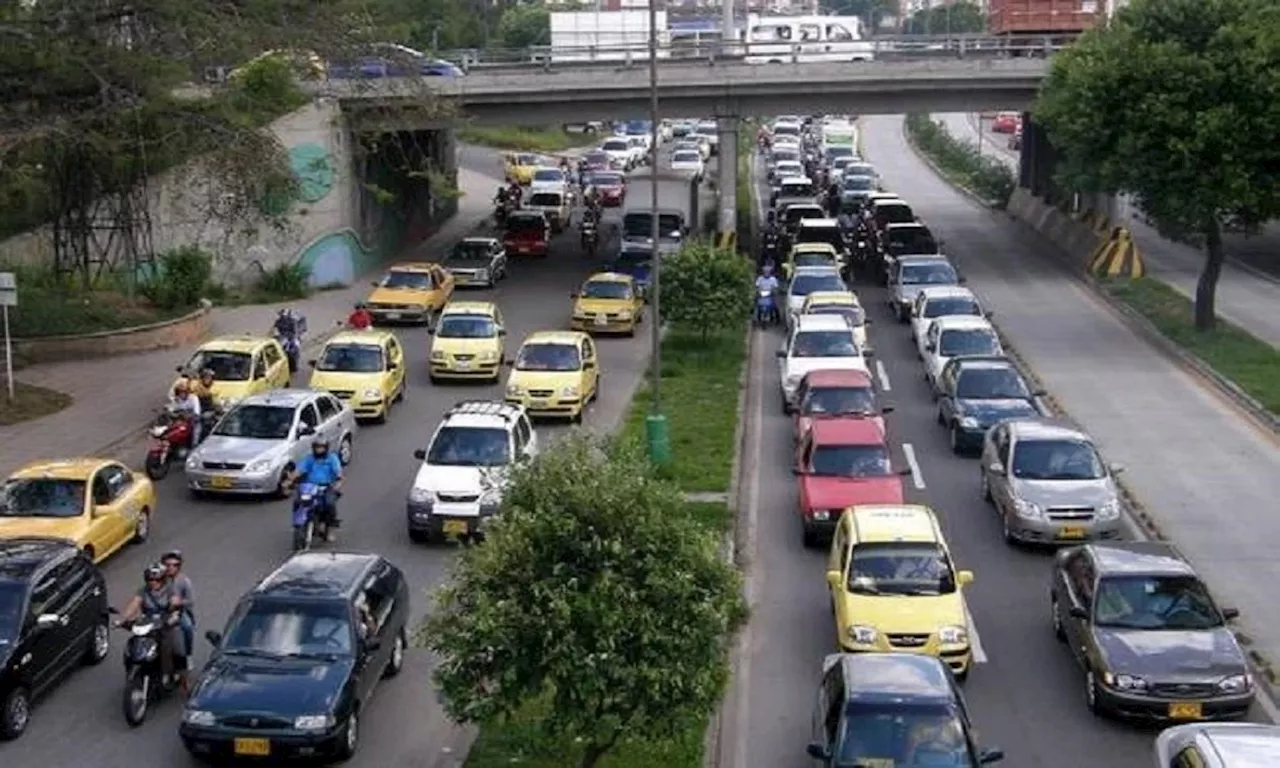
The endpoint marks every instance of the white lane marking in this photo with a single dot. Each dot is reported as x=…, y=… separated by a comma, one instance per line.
x=883, y=376
x=975, y=642
x=917, y=476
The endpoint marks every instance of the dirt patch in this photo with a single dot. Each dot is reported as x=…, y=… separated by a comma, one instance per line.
x=29, y=402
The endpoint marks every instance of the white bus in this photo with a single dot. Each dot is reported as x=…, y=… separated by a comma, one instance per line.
x=782, y=39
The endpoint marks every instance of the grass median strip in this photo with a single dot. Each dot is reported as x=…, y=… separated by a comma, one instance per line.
x=1251, y=363
x=523, y=138
x=960, y=161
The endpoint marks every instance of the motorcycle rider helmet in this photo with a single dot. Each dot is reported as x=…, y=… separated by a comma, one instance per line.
x=153, y=572
x=320, y=448
x=173, y=554
x=767, y=270
x=207, y=375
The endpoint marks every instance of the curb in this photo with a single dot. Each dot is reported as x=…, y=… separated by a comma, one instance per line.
x=957, y=186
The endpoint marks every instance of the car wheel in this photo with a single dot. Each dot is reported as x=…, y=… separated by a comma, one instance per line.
x=808, y=537
x=350, y=737
x=346, y=451
x=941, y=419
x=957, y=447
x=1006, y=530
x=15, y=713
x=396, y=662
x=419, y=537
x=1091, y=693
x=99, y=646
x=142, y=527
x=985, y=486
x=1055, y=619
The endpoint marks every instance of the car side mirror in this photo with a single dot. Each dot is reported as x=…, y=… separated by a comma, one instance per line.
x=431, y=331
x=1079, y=612
x=508, y=362
x=374, y=283
x=589, y=365
x=573, y=295
x=992, y=755
x=420, y=455
x=1228, y=614
x=180, y=369
x=988, y=315
x=867, y=321
x=888, y=408
x=905, y=471
x=995, y=468
x=819, y=751
x=962, y=280
x=868, y=352
x=311, y=363
x=214, y=638
x=393, y=365
x=782, y=353
x=1116, y=468
x=1039, y=393
x=964, y=577
x=930, y=347
x=306, y=430
x=833, y=579
x=48, y=621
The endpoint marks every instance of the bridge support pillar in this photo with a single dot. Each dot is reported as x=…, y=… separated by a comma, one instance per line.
x=727, y=181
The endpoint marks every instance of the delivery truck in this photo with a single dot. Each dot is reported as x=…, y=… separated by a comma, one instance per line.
x=1013, y=18
x=605, y=36
x=677, y=212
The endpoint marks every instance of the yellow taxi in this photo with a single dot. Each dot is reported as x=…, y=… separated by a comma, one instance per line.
x=894, y=588
x=468, y=342
x=608, y=302
x=555, y=374
x=241, y=365
x=812, y=255
x=364, y=369
x=99, y=504
x=411, y=292
x=519, y=166
x=843, y=303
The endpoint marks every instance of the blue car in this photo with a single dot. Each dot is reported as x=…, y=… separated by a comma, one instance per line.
x=392, y=60
x=637, y=264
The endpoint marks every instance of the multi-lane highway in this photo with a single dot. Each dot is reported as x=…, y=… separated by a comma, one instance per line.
x=1026, y=693
x=229, y=545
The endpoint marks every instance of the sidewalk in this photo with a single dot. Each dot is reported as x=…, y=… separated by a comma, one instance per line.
x=1247, y=296
x=115, y=397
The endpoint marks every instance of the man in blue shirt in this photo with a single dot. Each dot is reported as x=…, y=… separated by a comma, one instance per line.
x=323, y=468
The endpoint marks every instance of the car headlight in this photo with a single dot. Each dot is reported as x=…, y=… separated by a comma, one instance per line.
x=372, y=394
x=514, y=390
x=260, y=465
x=488, y=356
x=624, y=315
x=420, y=495
x=199, y=717
x=968, y=422
x=419, y=307
x=437, y=355
x=569, y=392
x=1109, y=511
x=862, y=635
x=953, y=635
x=1026, y=509
x=1125, y=682
x=821, y=515
x=1235, y=684
x=482, y=274
x=312, y=722
x=193, y=462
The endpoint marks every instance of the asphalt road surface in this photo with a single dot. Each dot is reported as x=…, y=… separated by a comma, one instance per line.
x=1026, y=694
x=229, y=545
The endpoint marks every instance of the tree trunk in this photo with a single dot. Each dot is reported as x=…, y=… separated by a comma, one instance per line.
x=592, y=754
x=1207, y=286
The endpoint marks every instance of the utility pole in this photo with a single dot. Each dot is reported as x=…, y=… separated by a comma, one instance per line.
x=655, y=424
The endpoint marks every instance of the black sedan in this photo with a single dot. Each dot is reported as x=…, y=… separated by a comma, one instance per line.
x=1152, y=642
x=974, y=393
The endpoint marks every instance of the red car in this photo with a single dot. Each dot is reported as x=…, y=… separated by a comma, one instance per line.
x=1006, y=122
x=842, y=463
x=612, y=188
x=528, y=234
x=596, y=161
x=825, y=394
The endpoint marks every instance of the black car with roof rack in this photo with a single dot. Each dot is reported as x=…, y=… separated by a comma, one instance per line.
x=299, y=660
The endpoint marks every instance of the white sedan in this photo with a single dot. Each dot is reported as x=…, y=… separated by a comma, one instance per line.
x=819, y=342
x=689, y=161
x=957, y=336
x=807, y=280
x=935, y=301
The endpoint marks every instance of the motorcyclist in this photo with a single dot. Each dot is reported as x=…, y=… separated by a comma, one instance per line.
x=833, y=200
x=157, y=598
x=324, y=469
x=515, y=194
x=285, y=325
x=202, y=388
x=501, y=198
x=766, y=281
x=289, y=328
x=591, y=199
x=185, y=597
x=186, y=405
x=360, y=318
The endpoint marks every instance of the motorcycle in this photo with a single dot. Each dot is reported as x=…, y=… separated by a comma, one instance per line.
x=590, y=236
x=766, y=309
x=171, y=440
x=500, y=211
x=144, y=679
x=292, y=344
x=310, y=518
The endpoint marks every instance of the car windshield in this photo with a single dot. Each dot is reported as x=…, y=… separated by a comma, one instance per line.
x=797, y=213
x=797, y=189
x=1063, y=459
x=895, y=214
x=857, y=183
x=299, y=628
x=256, y=422
x=351, y=358
x=950, y=306
x=991, y=384
x=606, y=180
x=549, y=357
x=814, y=259
x=469, y=447
x=900, y=734
x=1154, y=602
x=834, y=152
x=787, y=170
x=838, y=401
x=854, y=315
x=936, y=273
x=595, y=159
x=968, y=342
x=860, y=170
x=526, y=160
x=42, y=497
x=803, y=285
x=616, y=145
x=900, y=568
x=545, y=199
x=526, y=225
x=641, y=225
x=471, y=252
x=606, y=289
x=467, y=327
x=908, y=241
x=549, y=174
x=824, y=344
x=786, y=129
x=850, y=461
x=403, y=278
x=226, y=366
x=684, y=156
x=826, y=235
x=785, y=156
x=12, y=596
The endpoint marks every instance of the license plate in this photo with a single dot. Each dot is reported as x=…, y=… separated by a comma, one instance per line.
x=1072, y=532
x=602, y=319
x=463, y=366
x=221, y=482
x=1185, y=710
x=538, y=404
x=254, y=747
x=455, y=528
x=393, y=315
x=523, y=249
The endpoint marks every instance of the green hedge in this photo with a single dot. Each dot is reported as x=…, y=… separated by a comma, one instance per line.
x=961, y=161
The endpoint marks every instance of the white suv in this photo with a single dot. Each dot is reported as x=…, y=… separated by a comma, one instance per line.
x=464, y=469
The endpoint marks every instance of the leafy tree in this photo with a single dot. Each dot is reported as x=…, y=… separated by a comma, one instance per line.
x=595, y=594
x=706, y=289
x=524, y=26
x=953, y=18
x=1175, y=104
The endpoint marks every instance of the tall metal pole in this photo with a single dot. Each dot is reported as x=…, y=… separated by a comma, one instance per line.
x=656, y=423
x=728, y=30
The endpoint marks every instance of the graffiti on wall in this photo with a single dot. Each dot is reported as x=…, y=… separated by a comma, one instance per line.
x=337, y=258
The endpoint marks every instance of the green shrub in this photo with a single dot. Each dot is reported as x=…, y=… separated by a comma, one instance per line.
x=523, y=138
x=706, y=290
x=184, y=277
x=286, y=281
x=961, y=161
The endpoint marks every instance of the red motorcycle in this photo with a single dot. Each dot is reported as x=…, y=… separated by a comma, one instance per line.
x=170, y=441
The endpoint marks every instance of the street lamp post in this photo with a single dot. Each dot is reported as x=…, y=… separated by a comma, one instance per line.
x=655, y=425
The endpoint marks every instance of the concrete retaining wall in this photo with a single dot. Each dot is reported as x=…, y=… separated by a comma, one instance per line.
x=179, y=332
x=1076, y=239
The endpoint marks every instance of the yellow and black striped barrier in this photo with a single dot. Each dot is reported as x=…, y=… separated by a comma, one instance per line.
x=727, y=240
x=1117, y=256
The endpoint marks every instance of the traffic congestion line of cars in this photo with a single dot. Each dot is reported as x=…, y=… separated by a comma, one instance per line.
x=1151, y=642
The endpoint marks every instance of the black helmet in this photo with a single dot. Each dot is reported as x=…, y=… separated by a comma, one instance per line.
x=320, y=445
x=154, y=572
x=173, y=554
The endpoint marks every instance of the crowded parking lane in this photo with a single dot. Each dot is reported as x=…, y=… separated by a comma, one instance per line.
x=230, y=544
x=1026, y=693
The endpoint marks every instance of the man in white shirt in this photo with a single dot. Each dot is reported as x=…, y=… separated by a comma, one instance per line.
x=188, y=405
